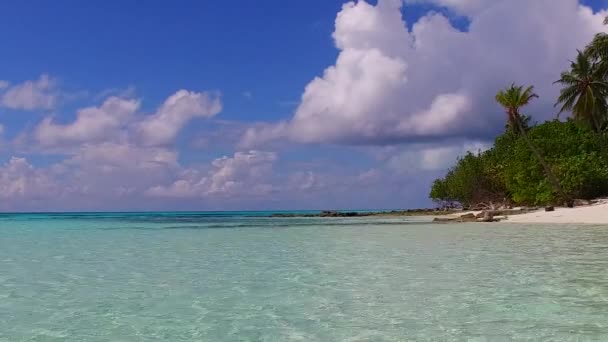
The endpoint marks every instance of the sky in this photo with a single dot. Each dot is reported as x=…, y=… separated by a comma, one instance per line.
x=265, y=105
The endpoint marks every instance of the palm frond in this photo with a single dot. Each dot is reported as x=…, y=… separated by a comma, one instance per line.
x=567, y=105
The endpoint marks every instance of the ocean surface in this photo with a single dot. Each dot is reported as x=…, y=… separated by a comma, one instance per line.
x=243, y=277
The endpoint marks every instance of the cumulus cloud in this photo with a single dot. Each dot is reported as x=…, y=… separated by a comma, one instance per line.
x=118, y=119
x=19, y=179
x=394, y=85
x=29, y=95
x=244, y=173
x=95, y=176
x=424, y=157
x=253, y=179
x=262, y=133
x=115, y=151
x=113, y=176
x=462, y=7
x=112, y=170
x=304, y=180
x=91, y=124
x=162, y=127
x=112, y=156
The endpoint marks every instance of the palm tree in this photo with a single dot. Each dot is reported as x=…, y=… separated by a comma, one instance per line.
x=512, y=99
x=597, y=50
x=584, y=92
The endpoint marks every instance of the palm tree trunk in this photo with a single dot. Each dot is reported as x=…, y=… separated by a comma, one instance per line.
x=548, y=172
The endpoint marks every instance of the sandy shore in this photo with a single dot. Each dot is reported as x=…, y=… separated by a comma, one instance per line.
x=593, y=214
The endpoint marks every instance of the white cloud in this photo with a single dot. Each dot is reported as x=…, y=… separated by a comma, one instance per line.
x=446, y=109
x=92, y=124
x=116, y=156
x=127, y=92
x=112, y=152
x=304, y=180
x=463, y=7
x=392, y=85
x=416, y=158
x=108, y=171
x=29, y=95
x=263, y=133
x=162, y=127
x=118, y=120
x=20, y=180
x=94, y=176
x=111, y=176
x=245, y=173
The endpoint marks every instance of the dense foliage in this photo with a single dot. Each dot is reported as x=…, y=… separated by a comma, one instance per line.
x=509, y=173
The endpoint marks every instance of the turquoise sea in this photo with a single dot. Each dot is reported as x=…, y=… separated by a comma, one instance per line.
x=244, y=277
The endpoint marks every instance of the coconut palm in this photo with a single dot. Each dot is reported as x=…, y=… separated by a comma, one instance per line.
x=584, y=92
x=597, y=50
x=512, y=99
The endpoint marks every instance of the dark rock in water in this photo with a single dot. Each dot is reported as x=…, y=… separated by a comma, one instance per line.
x=444, y=220
x=326, y=213
x=334, y=213
x=340, y=214
x=548, y=209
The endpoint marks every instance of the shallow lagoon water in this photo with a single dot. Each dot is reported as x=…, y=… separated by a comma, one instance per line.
x=233, y=277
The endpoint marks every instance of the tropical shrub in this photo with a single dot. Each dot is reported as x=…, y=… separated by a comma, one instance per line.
x=510, y=172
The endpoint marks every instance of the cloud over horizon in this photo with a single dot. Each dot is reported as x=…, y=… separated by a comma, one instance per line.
x=393, y=85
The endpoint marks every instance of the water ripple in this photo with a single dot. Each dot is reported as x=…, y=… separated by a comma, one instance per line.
x=136, y=278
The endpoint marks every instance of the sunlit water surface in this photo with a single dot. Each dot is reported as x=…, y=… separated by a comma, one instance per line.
x=232, y=277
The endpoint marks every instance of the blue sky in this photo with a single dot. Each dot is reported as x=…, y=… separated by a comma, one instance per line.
x=259, y=59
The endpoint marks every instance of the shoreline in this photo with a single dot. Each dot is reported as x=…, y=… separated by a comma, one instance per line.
x=596, y=214
x=392, y=213
x=590, y=214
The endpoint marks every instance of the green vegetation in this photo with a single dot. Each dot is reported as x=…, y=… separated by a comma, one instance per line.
x=549, y=163
x=512, y=99
x=511, y=173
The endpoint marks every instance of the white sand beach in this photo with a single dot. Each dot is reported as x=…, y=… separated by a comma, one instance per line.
x=592, y=214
